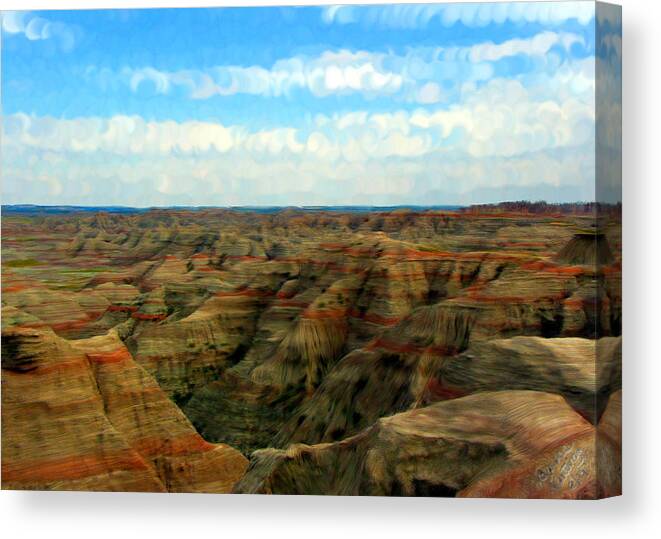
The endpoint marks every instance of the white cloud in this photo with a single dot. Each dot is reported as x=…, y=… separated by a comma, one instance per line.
x=330, y=73
x=224, y=179
x=133, y=136
x=416, y=75
x=501, y=118
x=429, y=92
x=470, y=14
x=538, y=45
x=503, y=134
x=37, y=28
x=535, y=130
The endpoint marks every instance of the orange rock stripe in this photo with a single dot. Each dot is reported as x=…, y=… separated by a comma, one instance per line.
x=14, y=288
x=76, y=467
x=375, y=318
x=335, y=314
x=153, y=446
x=116, y=356
x=74, y=364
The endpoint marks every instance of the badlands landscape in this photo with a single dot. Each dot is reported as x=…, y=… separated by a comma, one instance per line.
x=411, y=352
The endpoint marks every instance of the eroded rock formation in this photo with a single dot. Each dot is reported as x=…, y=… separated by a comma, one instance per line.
x=493, y=444
x=83, y=415
x=151, y=351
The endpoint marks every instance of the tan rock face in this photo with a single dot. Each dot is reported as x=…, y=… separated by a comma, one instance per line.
x=497, y=444
x=579, y=369
x=84, y=416
x=149, y=351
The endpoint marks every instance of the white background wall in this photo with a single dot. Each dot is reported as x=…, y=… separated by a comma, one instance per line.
x=636, y=514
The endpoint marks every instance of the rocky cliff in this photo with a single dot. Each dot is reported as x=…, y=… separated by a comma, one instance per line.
x=520, y=444
x=83, y=415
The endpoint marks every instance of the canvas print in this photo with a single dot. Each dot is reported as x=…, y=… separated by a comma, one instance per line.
x=331, y=250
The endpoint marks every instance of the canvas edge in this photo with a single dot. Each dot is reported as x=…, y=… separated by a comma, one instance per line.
x=608, y=191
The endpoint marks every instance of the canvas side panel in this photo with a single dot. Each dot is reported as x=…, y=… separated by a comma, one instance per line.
x=608, y=189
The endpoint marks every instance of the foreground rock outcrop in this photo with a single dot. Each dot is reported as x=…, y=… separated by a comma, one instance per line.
x=85, y=416
x=496, y=444
x=391, y=376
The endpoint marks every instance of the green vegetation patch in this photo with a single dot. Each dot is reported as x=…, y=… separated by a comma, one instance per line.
x=75, y=271
x=22, y=263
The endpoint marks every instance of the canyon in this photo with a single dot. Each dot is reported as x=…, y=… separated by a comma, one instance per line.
x=430, y=352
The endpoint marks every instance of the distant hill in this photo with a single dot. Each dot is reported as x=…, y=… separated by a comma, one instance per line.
x=541, y=207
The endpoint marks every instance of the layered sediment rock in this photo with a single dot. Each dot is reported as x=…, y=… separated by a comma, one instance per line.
x=502, y=444
x=273, y=329
x=579, y=369
x=85, y=416
x=379, y=379
x=392, y=376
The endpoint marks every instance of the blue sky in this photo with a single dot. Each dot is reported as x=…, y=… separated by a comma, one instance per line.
x=408, y=104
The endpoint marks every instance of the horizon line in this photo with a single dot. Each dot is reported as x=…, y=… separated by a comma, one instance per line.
x=300, y=206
